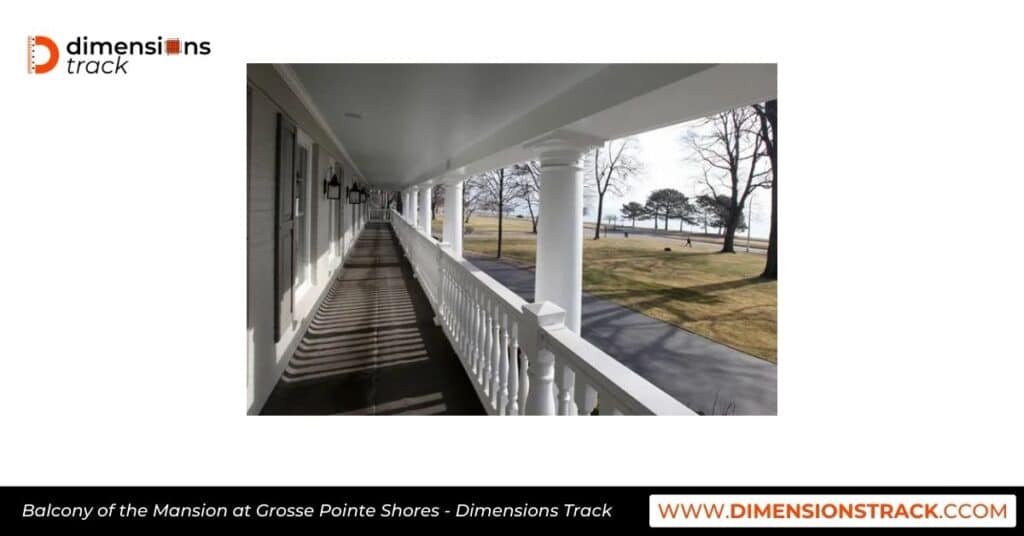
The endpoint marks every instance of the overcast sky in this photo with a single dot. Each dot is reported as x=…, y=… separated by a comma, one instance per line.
x=664, y=158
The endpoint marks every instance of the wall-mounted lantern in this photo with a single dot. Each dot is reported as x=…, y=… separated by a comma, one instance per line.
x=357, y=194
x=332, y=188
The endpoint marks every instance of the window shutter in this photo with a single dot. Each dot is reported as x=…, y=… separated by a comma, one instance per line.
x=284, y=246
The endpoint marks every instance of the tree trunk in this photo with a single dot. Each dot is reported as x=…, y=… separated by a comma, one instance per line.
x=501, y=207
x=680, y=225
x=533, y=218
x=730, y=227
x=634, y=222
x=727, y=242
x=600, y=208
x=771, y=266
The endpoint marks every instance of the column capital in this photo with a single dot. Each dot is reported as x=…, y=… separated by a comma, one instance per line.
x=562, y=147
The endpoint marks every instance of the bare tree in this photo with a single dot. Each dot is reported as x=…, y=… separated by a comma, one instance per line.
x=436, y=200
x=527, y=177
x=768, y=122
x=610, y=167
x=729, y=151
x=500, y=195
x=473, y=195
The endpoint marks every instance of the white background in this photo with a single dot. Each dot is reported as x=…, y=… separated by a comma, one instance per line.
x=123, y=272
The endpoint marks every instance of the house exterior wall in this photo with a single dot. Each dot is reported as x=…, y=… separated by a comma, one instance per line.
x=268, y=95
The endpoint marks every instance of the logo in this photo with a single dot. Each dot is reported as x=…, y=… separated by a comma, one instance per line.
x=86, y=56
x=36, y=42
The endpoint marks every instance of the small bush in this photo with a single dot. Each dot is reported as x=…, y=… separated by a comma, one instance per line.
x=467, y=229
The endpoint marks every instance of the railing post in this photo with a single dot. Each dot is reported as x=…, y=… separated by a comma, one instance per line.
x=540, y=399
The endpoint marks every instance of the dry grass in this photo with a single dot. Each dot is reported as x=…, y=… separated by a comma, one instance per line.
x=715, y=295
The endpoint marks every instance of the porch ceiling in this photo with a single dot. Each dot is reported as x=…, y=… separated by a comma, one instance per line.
x=418, y=121
x=414, y=116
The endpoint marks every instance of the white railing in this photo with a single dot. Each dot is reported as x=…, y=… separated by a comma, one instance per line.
x=380, y=215
x=520, y=356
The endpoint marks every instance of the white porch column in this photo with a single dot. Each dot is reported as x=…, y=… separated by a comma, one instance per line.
x=414, y=202
x=453, y=214
x=424, y=221
x=405, y=205
x=560, y=230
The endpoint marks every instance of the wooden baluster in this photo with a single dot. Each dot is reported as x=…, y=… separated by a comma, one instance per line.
x=478, y=338
x=441, y=297
x=512, y=358
x=447, y=282
x=463, y=318
x=471, y=327
x=503, y=364
x=488, y=339
x=456, y=298
x=586, y=396
x=457, y=317
x=446, y=296
x=541, y=399
x=536, y=316
x=466, y=319
x=564, y=381
x=450, y=289
x=524, y=374
x=494, y=354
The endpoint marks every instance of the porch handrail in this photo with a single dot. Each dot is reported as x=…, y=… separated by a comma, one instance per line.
x=520, y=356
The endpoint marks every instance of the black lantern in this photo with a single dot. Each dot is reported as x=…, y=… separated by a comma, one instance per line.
x=332, y=188
x=356, y=194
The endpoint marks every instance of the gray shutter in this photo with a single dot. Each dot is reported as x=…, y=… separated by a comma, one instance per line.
x=315, y=191
x=284, y=246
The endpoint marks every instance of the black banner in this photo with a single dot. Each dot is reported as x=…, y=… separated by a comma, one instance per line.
x=382, y=508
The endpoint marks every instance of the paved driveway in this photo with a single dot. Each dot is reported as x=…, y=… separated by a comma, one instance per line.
x=710, y=378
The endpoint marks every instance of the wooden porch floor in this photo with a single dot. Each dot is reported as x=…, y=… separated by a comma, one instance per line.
x=372, y=347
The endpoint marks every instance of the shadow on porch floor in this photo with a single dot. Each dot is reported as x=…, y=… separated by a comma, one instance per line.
x=372, y=347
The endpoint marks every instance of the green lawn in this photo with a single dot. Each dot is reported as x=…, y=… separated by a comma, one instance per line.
x=715, y=295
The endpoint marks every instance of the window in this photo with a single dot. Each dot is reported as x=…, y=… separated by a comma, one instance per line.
x=301, y=220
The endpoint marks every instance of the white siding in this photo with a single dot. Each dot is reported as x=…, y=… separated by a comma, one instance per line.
x=266, y=360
